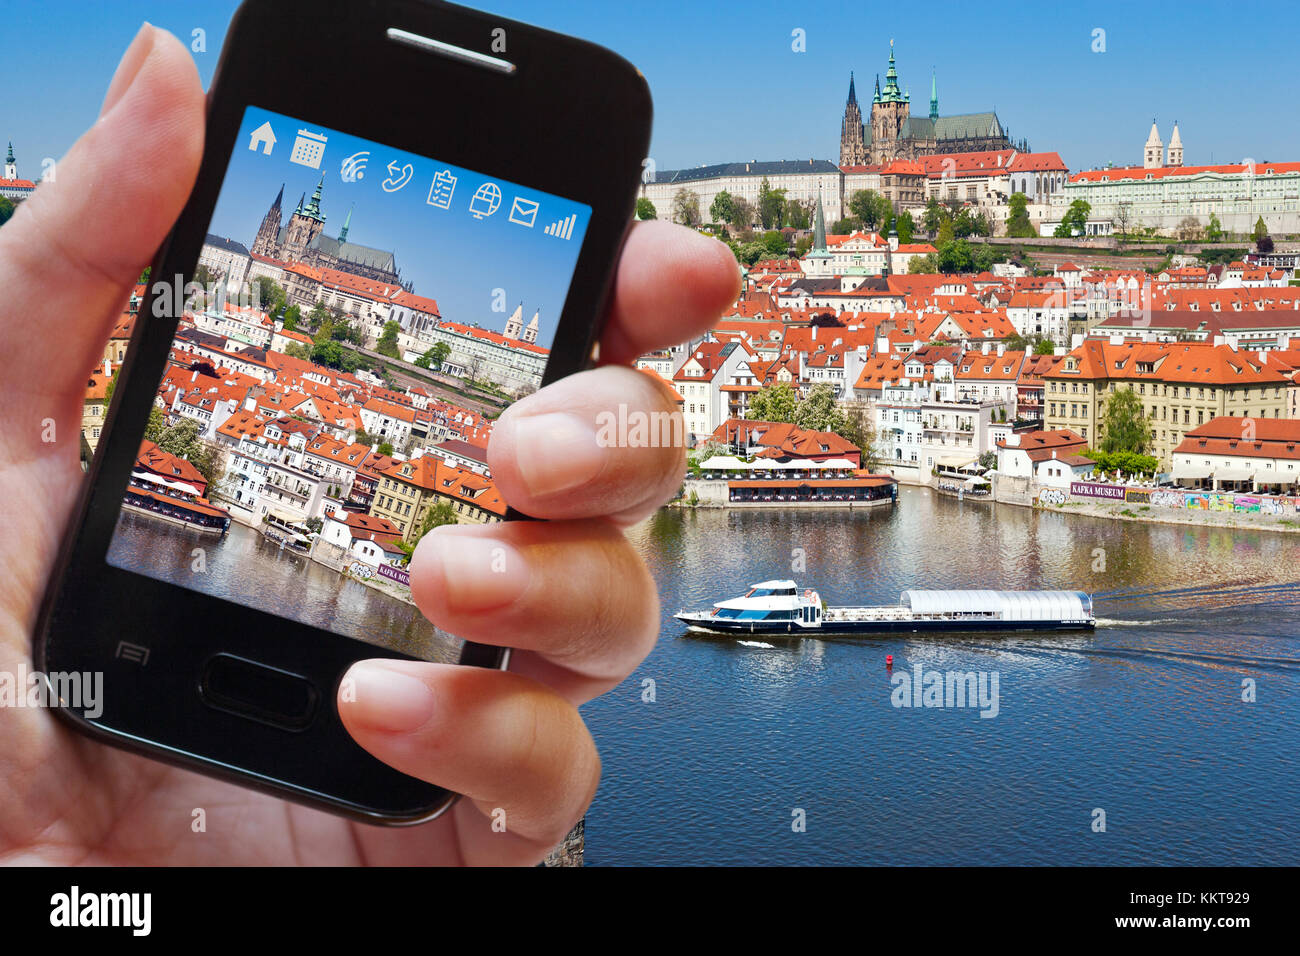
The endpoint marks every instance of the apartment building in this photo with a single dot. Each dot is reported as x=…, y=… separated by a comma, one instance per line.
x=1181, y=385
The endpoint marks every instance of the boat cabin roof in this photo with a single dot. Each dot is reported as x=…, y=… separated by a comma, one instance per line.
x=1007, y=605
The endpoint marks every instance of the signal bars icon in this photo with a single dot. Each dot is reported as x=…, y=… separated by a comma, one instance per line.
x=562, y=228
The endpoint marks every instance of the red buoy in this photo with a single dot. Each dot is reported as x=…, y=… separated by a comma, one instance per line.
x=889, y=660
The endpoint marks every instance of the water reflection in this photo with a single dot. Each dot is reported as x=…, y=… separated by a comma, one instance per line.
x=244, y=567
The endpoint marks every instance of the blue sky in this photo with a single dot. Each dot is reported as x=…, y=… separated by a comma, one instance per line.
x=450, y=254
x=727, y=85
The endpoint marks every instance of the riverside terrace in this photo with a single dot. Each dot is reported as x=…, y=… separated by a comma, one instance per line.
x=727, y=480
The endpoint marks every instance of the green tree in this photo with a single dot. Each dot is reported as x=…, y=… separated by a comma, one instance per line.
x=319, y=316
x=946, y=234
x=1130, y=463
x=771, y=205
x=870, y=208
x=1018, y=224
x=645, y=209
x=111, y=387
x=859, y=427
x=6, y=209
x=798, y=213
x=955, y=256
x=434, y=358
x=742, y=213
x=842, y=227
x=963, y=224
x=438, y=515
x=818, y=411
x=933, y=217
x=1124, y=423
x=156, y=425
x=927, y=264
x=298, y=350
x=291, y=316
x=182, y=440
x=1263, y=241
x=385, y=448
x=802, y=246
x=776, y=403
x=774, y=243
x=342, y=331
x=686, y=207
x=387, y=344
x=335, y=356
x=1214, y=231
x=982, y=257
x=751, y=252
x=906, y=227
x=1074, y=220
x=722, y=208
x=269, y=296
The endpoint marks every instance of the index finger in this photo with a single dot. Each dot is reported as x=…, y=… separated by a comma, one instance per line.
x=672, y=283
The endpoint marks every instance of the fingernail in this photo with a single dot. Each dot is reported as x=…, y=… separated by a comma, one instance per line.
x=386, y=699
x=475, y=573
x=555, y=452
x=127, y=69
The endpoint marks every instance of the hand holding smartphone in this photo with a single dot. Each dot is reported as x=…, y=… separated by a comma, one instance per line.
x=457, y=194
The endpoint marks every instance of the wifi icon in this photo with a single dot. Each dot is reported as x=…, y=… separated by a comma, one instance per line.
x=354, y=167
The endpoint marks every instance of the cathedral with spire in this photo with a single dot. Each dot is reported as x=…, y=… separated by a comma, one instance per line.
x=302, y=239
x=890, y=131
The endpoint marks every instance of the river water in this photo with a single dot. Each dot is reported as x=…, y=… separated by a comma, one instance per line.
x=244, y=567
x=1143, y=719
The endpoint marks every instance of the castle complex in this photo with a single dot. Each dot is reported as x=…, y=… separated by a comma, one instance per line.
x=894, y=133
x=303, y=240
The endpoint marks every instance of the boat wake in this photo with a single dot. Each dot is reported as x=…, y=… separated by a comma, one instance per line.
x=756, y=644
x=1112, y=622
x=1244, y=662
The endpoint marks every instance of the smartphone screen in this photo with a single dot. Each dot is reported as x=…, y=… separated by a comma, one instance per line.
x=358, y=319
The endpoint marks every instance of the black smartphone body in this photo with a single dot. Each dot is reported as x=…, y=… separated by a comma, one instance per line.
x=466, y=177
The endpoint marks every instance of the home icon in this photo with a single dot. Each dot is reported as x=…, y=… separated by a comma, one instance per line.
x=263, y=136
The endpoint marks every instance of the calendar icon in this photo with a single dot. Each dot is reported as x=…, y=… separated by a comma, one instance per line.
x=308, y=149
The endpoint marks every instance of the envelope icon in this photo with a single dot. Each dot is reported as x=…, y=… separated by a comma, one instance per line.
x=523, y=212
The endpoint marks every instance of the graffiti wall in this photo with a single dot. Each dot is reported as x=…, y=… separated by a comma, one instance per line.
x=1052, y=497
x=1169, y=498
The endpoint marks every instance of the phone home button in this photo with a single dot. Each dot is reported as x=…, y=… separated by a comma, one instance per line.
x=265, y=694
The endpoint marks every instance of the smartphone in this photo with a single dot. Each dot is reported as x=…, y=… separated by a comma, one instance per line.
x=408, y=215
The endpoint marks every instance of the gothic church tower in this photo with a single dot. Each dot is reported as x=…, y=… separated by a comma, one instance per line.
x=890, y=109
x=304, y=226
x=853, y=146
x=267, y=242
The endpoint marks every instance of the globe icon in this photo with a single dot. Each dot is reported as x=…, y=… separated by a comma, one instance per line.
x=486, y=201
